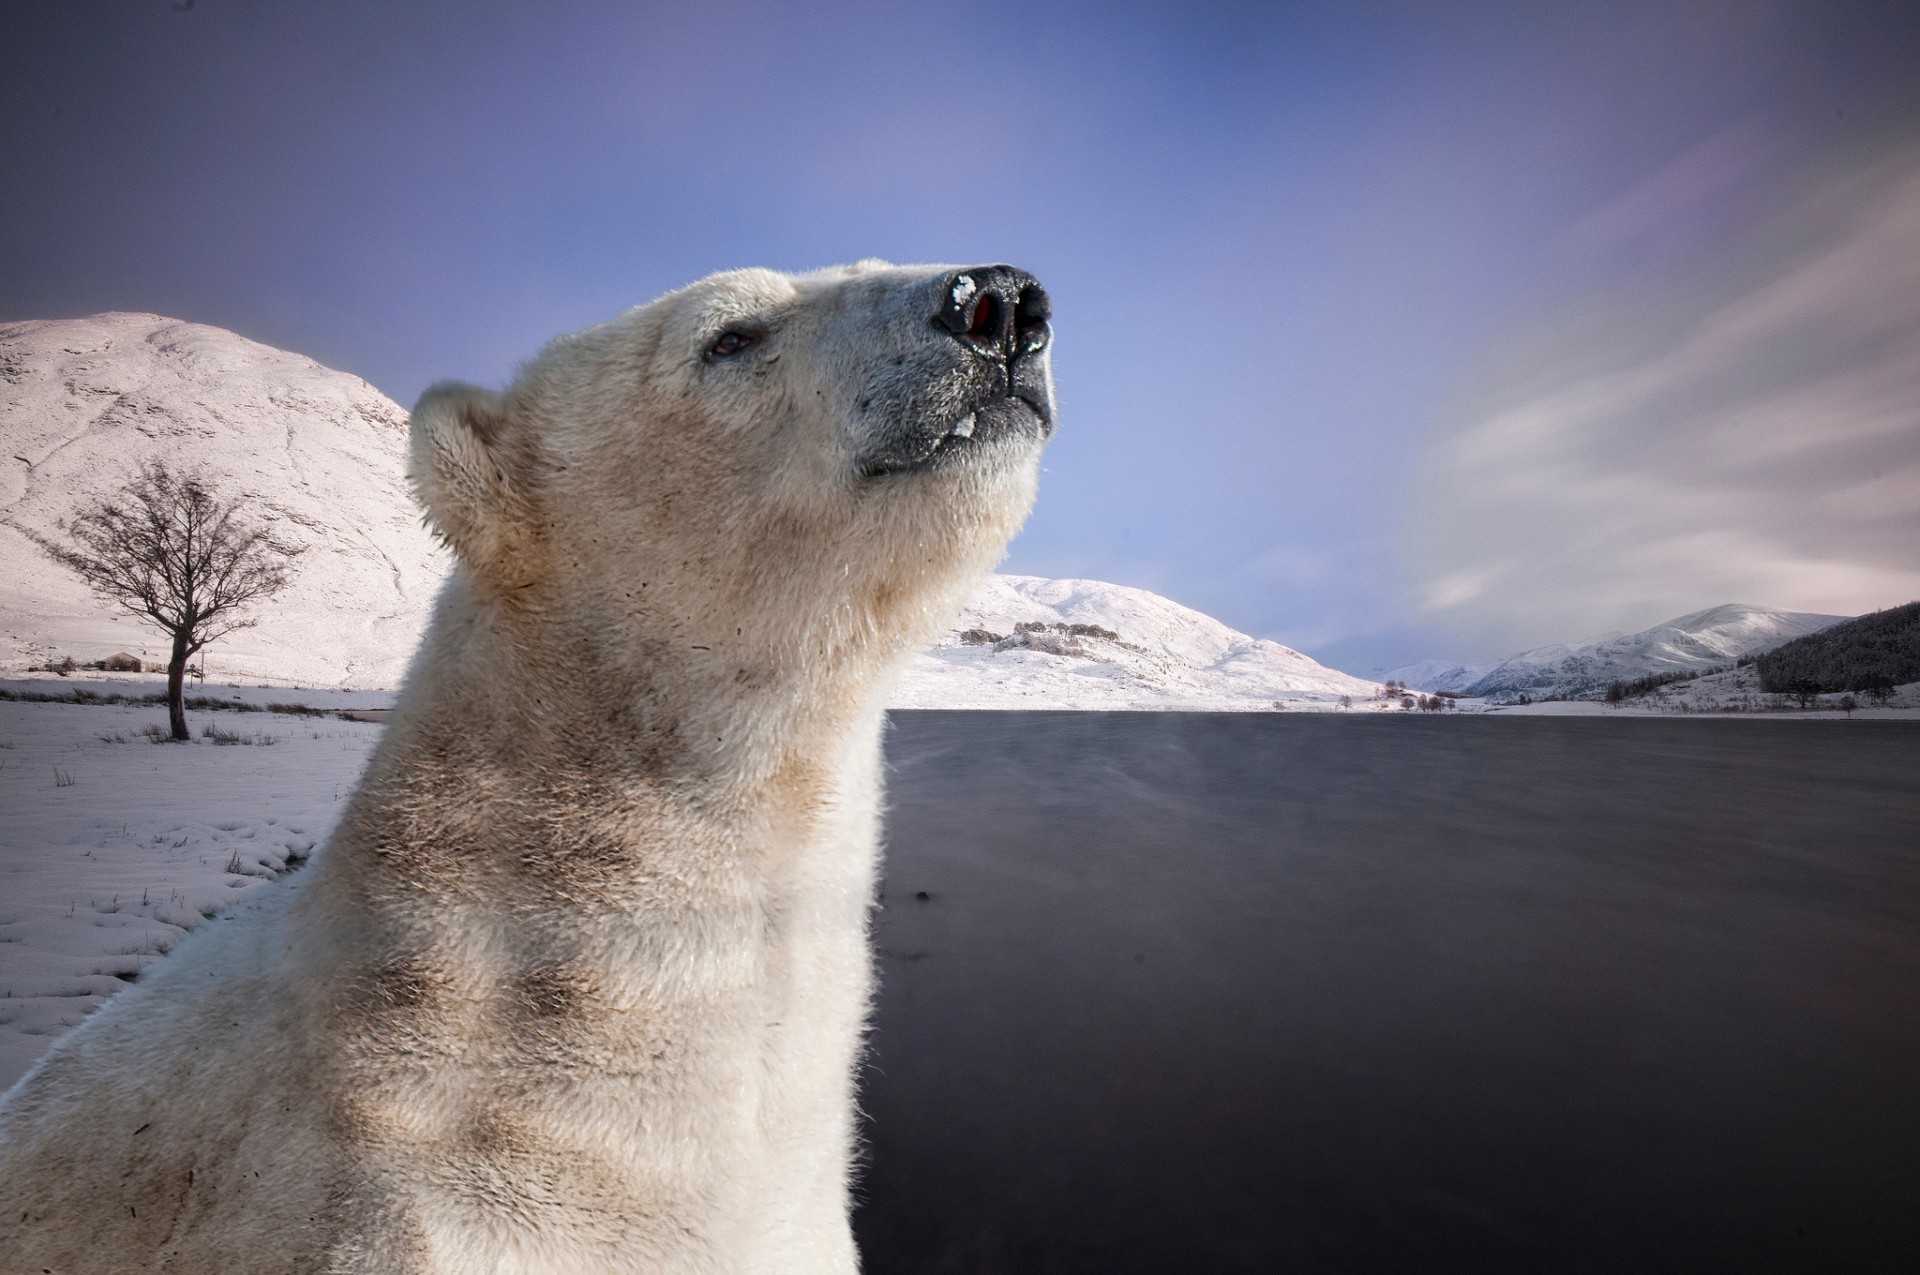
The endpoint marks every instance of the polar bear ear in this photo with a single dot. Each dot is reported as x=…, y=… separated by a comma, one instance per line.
x=456, y=473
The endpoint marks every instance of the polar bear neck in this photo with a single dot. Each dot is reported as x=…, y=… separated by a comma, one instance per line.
x=551, y=912
x=756, y=736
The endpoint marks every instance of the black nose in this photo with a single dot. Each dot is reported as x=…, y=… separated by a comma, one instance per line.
x=997, y=310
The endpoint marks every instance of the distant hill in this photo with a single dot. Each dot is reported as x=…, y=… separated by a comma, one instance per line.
x=1028, y=642
x=1880, y=649
x=317, y=454
x=1690, y=643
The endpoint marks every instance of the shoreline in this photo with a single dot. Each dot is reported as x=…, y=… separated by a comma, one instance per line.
x=373, y=704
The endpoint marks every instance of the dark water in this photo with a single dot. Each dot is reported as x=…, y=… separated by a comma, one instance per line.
x=1264, y=992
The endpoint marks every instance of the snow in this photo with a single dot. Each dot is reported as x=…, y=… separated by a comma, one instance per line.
x=1689, y=643
x=1164, y=656
x=1436, y=675
x=318, y=455
x=99, y=876
x=140, y=685
x=1905, y=708
x=1730, y=691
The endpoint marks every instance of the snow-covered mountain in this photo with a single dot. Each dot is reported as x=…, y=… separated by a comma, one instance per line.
x=1435, y=675
x=1027, y=642
x=317, y=454
x=1702, y=640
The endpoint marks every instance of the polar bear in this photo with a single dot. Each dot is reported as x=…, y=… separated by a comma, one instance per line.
x=579, y=981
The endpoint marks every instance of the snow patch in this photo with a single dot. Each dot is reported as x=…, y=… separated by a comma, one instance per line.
x=101, y=874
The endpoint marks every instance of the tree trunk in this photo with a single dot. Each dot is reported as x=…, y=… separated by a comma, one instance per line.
x=176, y=680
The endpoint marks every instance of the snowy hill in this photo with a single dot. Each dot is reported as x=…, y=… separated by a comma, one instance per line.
x=1027, y=642
x=317, y=454
x=1702, y=640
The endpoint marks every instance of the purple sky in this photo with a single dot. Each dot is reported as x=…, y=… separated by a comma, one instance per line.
x=1390, y=331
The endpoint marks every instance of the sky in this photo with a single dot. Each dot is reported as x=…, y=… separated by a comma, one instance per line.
x=1388, y=331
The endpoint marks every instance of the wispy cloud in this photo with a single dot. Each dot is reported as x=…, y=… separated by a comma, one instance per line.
x=1675, y=193
x=1754, y=439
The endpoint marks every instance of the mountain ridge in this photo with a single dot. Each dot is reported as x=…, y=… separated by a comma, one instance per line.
x=1696, y=642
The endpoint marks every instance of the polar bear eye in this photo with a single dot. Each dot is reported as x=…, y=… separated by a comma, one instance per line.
x=731, y=342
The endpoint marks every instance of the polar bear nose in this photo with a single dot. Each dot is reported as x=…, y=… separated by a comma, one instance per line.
x=996, y=309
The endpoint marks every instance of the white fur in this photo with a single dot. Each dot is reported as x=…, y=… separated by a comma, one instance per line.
x=578, y=983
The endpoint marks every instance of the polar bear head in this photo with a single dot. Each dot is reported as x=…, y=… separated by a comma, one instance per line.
x=774, y=467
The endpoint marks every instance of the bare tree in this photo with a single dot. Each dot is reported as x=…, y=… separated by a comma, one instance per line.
x=170, y=549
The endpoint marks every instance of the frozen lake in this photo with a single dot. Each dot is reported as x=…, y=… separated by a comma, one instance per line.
x=1261, y=992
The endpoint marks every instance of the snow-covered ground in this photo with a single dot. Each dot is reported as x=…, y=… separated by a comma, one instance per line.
x=316, y=454
x=112, y=847
x=136, y=686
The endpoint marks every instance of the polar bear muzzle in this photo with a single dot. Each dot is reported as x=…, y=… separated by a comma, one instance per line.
x=996, y=319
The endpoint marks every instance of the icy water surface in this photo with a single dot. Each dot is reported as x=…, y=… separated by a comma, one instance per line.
x=1198, y=993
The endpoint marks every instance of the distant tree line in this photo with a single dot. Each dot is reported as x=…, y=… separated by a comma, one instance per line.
x=1391, y=690
x=1632, y=688
x=1029, y=628
x=1873, y=653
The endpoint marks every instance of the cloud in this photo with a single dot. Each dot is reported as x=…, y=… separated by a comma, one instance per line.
x=1704, y=174
x=1754, y=437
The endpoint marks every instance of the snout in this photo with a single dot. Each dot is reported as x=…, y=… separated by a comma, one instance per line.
x=972, y=383
x=996, y=311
